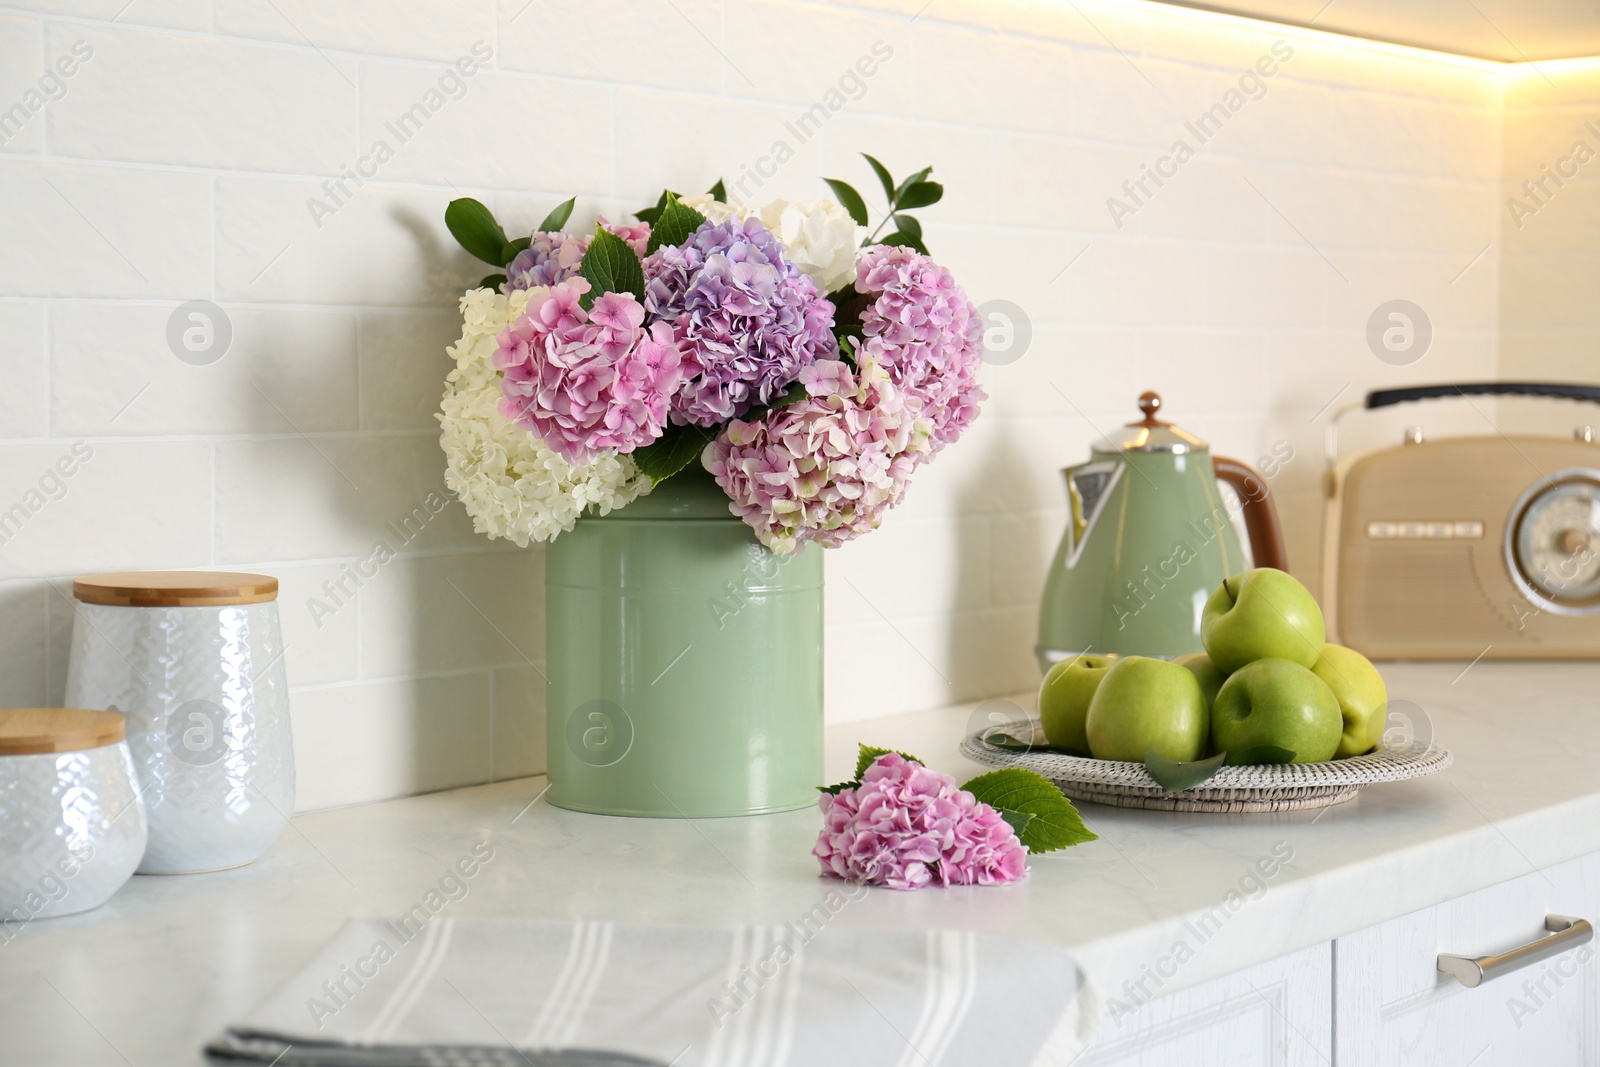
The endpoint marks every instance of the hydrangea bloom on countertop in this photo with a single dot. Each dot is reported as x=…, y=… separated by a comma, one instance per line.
x=905, y=827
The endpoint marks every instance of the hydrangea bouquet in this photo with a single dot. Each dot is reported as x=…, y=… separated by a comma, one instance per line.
x=808, y=367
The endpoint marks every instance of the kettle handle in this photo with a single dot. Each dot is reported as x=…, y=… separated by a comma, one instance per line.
x=1260, y=512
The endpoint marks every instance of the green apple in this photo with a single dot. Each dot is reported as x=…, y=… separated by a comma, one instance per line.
x=1363, y=698
x=1208, y=674
x=1064, y=697
x=1279, y=703
x=1145, y=703
x=1262, y=614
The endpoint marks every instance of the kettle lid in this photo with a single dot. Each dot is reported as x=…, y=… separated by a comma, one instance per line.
x=1150, y=434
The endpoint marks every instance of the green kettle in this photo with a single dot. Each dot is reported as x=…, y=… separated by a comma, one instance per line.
x=1148, y=539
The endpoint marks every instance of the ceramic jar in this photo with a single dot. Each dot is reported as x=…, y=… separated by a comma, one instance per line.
x=72, y=825
x=194, y=659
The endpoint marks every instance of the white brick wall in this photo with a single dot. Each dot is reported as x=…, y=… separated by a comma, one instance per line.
x=180, y=162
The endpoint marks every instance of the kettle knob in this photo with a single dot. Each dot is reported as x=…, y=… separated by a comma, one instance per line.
x=1149, y=404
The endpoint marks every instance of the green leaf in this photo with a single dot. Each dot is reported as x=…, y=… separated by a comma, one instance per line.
x=833, y=790
x=898, y=238
x=509, y=252
x=1055, y=823
x=1007, y=743
x=1019, y=821
x=792, y=395
x=868, y=753
x=611, y=267
x=849, y=199
x=650, y=214
x=883, y=176
x=909, y=226
x=674, y=225
x=920, y=195
x=473, y=226
x=1260, y=754
x=719, y=192
x=557, y=218
x=492, y=281
x=1175, y=776
x=900, y=189
x=672, y=451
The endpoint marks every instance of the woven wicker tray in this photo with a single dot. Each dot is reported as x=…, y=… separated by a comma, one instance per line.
x=1272, y=787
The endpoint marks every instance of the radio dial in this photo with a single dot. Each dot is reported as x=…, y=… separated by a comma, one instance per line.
x=1550, y=542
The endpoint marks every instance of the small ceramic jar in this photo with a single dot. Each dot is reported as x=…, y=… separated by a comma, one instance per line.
x=194, y=659
x=72, y=825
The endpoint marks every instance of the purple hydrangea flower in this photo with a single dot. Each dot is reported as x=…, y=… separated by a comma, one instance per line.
x=553, y=257
x=746, y=319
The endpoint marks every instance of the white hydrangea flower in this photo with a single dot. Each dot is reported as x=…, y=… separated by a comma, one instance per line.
x=819, y=237
x=512, y=485
x=715, y=210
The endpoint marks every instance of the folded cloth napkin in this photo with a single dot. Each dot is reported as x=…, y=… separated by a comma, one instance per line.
x=595, y=994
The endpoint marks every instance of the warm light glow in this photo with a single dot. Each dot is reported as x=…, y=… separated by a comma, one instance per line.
x=1328, y=37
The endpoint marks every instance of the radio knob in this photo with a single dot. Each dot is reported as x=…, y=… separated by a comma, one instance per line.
x=1573, y=541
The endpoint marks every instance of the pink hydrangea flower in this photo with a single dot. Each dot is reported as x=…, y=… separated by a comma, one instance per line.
x=587, y=381
x=825, y=469
x=906, y=827
x=923, y=330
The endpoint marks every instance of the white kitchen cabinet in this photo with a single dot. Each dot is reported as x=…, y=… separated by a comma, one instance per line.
x=1276, y=1014
x=1393, y=1007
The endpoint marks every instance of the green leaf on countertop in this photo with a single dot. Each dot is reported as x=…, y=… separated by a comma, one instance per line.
x=610, y=266
x=1175, y=775
x=868, y=753
x=674, y=450
x=557, y=217
x=849, y=199
x=920, y=194
x=883, y=177
x=1258, y=755
x=509, y=252
x=719, y=192
x=474, y=228
x=492, y=281
x=674, y=225
x=1019, y=821
x=1055, y=823
x=900, y=190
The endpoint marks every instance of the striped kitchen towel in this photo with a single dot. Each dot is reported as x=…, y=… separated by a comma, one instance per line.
x=595, y=994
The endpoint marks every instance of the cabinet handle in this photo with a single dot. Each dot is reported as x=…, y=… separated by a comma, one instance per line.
x=1565, y=932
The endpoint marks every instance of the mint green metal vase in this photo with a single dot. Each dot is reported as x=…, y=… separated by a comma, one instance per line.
x=685, y=662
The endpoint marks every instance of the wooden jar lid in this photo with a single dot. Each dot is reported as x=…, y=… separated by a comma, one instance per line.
x=28, y=730
x=175, y=589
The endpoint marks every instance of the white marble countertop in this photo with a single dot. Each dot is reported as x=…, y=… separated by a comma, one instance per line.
x=169, y=961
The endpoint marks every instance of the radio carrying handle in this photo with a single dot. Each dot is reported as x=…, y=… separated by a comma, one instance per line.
x=1410, y=394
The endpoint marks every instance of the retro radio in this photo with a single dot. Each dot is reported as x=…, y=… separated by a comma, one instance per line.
x=1467, y=547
